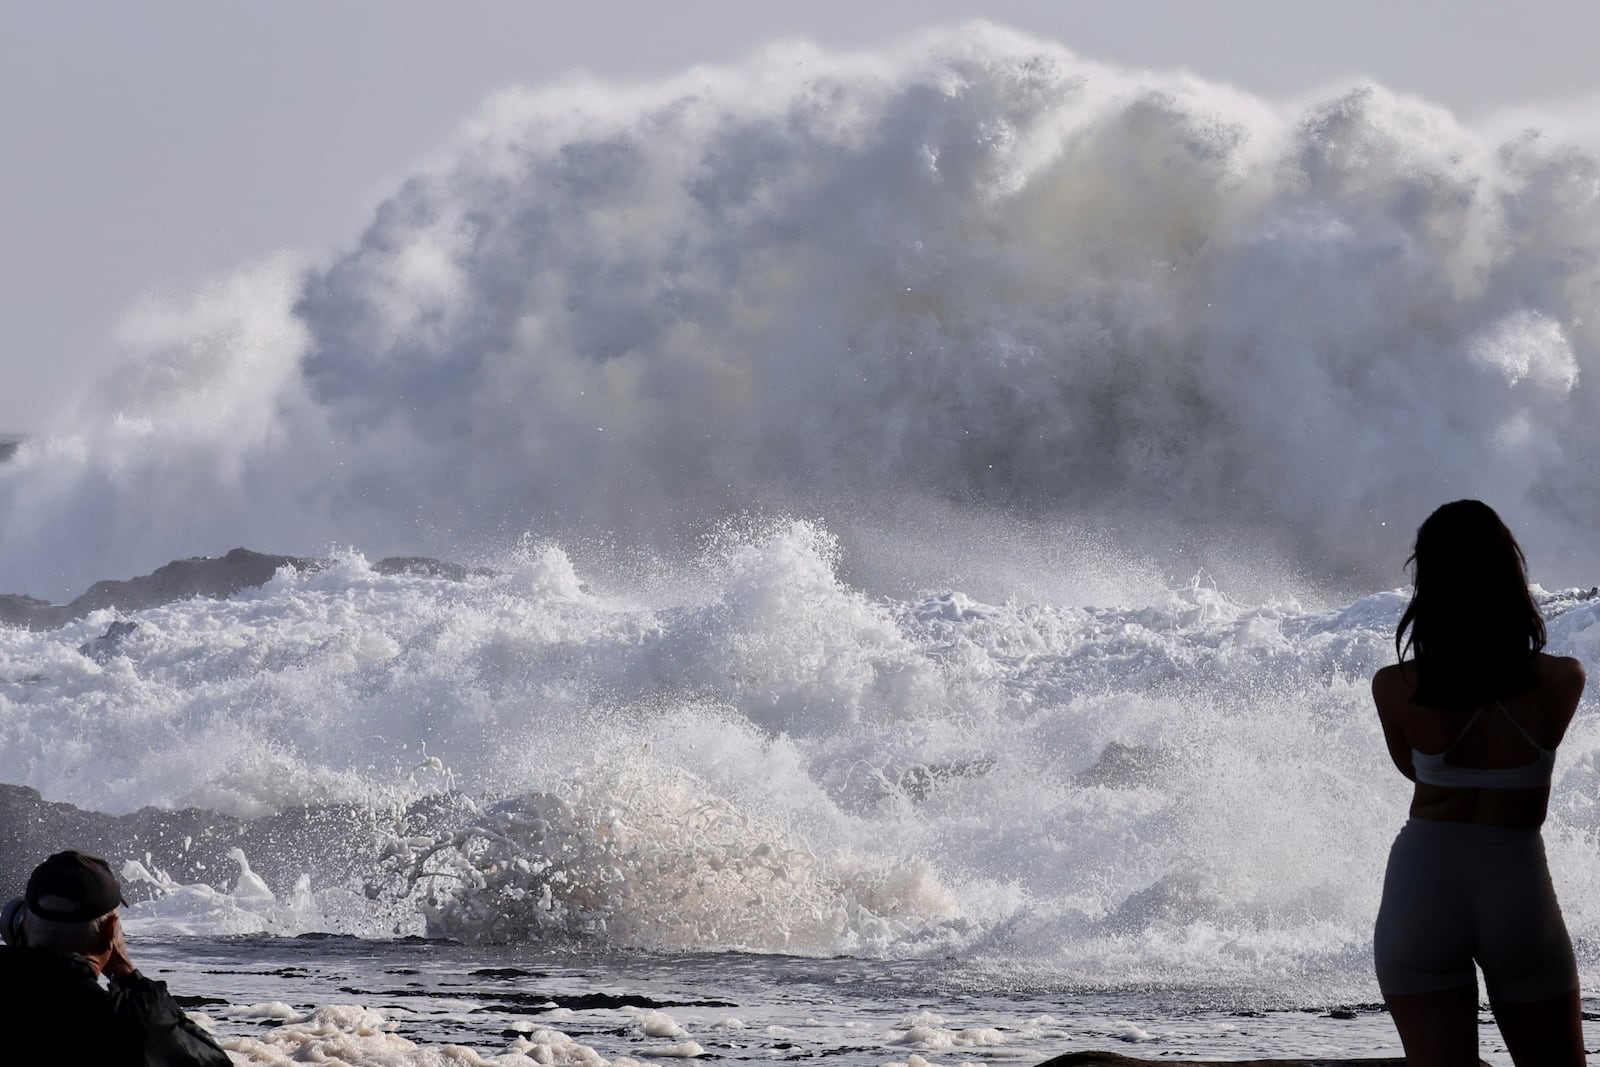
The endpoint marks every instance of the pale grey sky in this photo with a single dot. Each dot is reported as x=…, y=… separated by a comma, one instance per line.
x=149, y=146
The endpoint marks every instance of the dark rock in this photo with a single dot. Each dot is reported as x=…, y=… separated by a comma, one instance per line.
x=336, y=844
x=424, y=567
x=920, y=779
x=108, y=644
x=202, y=576
x=1122, y=765
x=178, y=580
x=185, y=578
x=1176, y=899
x=197, y=1002
x=16, y=609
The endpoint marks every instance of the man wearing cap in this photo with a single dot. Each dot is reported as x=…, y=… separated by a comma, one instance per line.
x=63, y=934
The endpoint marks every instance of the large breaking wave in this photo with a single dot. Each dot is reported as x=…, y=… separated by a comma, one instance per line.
x=975, y=269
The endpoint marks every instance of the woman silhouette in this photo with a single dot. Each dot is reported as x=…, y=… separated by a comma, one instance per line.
x=1473, y=717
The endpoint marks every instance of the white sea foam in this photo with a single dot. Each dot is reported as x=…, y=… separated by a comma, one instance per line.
x=659, y=1024
x=275, y=1009
x=362, y=1037
x=1133, y=1033
x=683, y=1050
x=926, y=1030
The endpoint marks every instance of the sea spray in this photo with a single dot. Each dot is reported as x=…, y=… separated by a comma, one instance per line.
x=971, y=269
x=749, y=752
x=656, y=861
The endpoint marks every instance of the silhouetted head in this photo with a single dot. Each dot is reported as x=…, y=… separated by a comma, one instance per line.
x=70, y=906
x=1472, y=626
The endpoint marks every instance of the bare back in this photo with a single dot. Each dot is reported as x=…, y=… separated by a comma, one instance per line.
x=1492, y=739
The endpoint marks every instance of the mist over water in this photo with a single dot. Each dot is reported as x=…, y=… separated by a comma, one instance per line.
x=973, y=268
x=940, y=501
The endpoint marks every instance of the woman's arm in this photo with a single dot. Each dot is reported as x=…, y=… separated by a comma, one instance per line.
x=1387, y=688
x=1567, y=678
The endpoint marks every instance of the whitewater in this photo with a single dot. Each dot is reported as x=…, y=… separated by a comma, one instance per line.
x=927, y=521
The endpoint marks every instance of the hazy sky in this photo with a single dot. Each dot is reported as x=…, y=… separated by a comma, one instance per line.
x=151, y=145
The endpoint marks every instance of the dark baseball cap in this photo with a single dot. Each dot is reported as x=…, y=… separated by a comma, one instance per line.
x=73, y=886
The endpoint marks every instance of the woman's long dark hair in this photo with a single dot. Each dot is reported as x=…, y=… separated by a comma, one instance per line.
x=1472, y=626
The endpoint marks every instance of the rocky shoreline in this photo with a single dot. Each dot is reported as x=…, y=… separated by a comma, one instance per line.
x=193, y=845
x=216, y=577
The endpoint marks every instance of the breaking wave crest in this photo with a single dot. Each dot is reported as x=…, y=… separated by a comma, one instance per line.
x=974, y=269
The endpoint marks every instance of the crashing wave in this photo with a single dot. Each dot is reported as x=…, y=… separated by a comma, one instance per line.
x=658, y=861
x=973, y=269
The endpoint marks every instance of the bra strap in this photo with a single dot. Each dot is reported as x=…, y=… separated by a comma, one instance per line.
x=1463, y=732
x=1526, y=736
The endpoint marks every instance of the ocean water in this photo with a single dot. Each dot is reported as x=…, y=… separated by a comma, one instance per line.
x=937, y=512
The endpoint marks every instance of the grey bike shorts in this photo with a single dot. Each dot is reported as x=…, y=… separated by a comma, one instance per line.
x=1456, y=893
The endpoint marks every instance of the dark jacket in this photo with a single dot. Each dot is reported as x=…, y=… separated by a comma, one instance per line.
x=134, y=1023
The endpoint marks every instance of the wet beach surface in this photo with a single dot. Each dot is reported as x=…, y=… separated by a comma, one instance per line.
x=734, y=1006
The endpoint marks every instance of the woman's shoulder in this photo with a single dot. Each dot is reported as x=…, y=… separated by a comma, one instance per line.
x=1560, y=674
x=1387, y=675
x=1391, y=686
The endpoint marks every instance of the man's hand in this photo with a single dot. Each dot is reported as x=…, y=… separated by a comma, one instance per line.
x=118, y=965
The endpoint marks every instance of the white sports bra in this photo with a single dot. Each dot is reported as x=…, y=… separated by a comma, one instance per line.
x=1432, y=769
